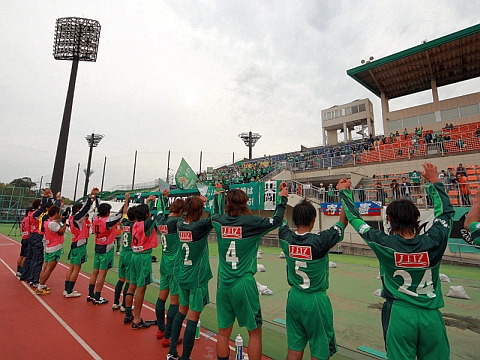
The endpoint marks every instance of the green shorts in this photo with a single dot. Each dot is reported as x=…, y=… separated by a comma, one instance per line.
x=124, y=264
x=316, y=328
x=239, y=301
x=169, y=282
x=54, y=256
x=141, y=269
x=195, y=299
x=414, y=332
x=103, y=261
x=78, y=255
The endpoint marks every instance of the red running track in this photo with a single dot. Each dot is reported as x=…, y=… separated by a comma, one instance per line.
x=51, y=326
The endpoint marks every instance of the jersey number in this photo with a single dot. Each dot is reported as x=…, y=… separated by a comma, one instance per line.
x=424, y=288
x=231, y=255
x=306, y=279
x=125, y=239
x=187, y=252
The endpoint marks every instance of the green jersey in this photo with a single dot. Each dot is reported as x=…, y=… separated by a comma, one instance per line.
x=475, y=231
x=238, y=238
x=409, y=267
x=194, y=267
x=167, y=228
x=127, y=226
x=307, y=256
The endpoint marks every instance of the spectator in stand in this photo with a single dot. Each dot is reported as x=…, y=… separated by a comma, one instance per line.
x=428, y=138
x=392, y=137
x=394, y=186
x=418, y=132
x=461, y=170
x=406, y=189
x=477, y=132
x=321, y=192
x=464, y=190
x=442, y=177
x=400, y=152
x=330, y=193
x=397, y=135
x=380, y=192
x=460, y=144
x=361, y=193
x=405, y=134
x=450, y=177
x=420, y=202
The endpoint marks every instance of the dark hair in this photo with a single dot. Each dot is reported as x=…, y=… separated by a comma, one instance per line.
x=193, y=208
x=131, y=213
x=177, y=206
x=403, y=215
x=304, y=213
x=104, y=209
x=236, y=203
x=142, y=212
x=27, y=210
x=76, y=208
x=53, y=211
x=36, y=203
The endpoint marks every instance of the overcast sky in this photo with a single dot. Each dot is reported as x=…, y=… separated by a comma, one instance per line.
x=189, y=76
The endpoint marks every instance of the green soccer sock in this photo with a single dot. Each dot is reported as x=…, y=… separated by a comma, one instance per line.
x=160, y=313
x=91, y=289
x=118, y=290
x=176, y=328
x=189, y=339
x=172, y=311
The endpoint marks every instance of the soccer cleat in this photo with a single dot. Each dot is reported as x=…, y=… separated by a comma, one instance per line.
x=65, y=292
x=33, y=284
x=73, y=294
x=128, y=319
x=140, y=325
x=172, y=357
x=100, y=301
x=160, y=334
x=151, y=322
x=90, y=298
x=115, y=307
x=42, y=291
x=166, y=342
x=18, y=274
x=122, y=308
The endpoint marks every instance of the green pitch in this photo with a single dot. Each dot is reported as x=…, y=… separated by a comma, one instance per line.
x=356, y=310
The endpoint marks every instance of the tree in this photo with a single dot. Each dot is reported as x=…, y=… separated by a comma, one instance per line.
x=24, y=182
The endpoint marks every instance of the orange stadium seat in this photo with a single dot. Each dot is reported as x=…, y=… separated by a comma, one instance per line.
x=474, y=185
x=454, y=201
x=470, y=171
x=472, y=178
x=453, y=193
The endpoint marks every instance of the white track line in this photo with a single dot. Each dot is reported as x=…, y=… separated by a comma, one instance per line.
x=58, y=318
x=207, y=336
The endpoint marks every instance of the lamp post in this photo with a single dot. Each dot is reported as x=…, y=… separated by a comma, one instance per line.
x=92, y=140
x=76, y=39
x=250, y=139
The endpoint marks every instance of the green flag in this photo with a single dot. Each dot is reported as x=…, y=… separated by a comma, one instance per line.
x=185, y=177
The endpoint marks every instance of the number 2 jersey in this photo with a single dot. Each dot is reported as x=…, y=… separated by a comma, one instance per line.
x=409, y=267
x=238, y=238
x=307, y=256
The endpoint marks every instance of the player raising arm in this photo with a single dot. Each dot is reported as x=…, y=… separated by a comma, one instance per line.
x=409, y=264
x=307, y=274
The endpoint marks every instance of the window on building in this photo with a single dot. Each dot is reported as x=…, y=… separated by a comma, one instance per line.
x=361, y=107
x=469, y=110
x=426, y=118
x=411, y=121
x=348, y=111
x=394, y=125
x=354, y=109
x=449, y=114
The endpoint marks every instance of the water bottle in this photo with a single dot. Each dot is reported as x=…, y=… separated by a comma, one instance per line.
x=197, y=332
x=238, y=348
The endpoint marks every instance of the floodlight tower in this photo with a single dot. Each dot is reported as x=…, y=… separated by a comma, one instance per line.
x=92, y=140
x=76, y=39
x=250, y=139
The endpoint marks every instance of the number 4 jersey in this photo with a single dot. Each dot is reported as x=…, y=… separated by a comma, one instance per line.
x=307, y=256
x=409, y=267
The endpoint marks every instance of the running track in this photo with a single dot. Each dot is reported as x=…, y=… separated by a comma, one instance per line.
x=51, y=326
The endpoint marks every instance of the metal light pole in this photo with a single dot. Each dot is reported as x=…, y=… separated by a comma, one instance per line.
x=76, y=39
x=250, y=139
x=92, y=140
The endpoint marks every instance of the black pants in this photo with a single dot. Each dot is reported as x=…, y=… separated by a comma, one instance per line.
x=36, y=262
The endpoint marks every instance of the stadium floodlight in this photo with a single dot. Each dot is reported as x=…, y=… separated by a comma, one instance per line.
x=93, y=140
x=250, y=139
x=76, y=39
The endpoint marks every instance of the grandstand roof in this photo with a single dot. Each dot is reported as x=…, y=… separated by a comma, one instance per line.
x=449, y=59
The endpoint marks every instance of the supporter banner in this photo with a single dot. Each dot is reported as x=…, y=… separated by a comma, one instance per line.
x=268, y=194
x=253, y=192
x=367, y=208
x=209, y=194
x=185, y=177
